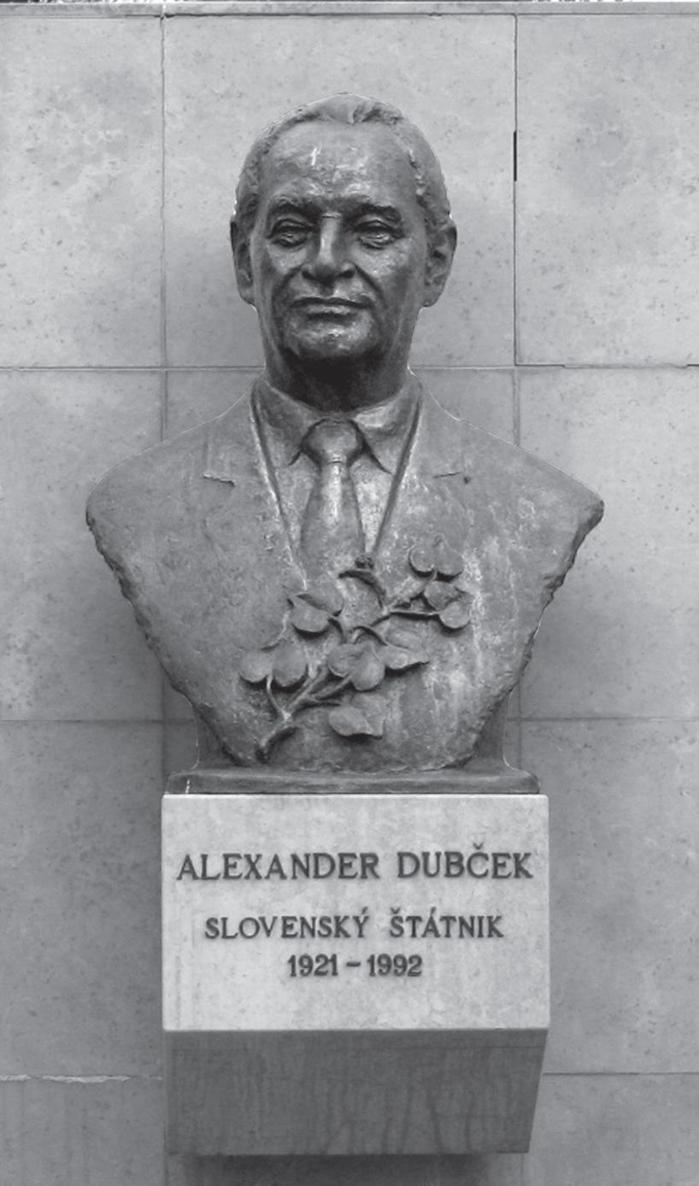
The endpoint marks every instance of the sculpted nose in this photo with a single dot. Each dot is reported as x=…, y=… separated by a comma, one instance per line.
x=328, y=258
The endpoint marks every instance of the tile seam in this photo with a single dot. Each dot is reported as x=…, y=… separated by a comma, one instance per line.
x=348, y=8
x=515, y=174
x=85, y=1080
x=164, y=385
x=145, y=722
x=418, y=366
x=619, y=1074
x=529, y=720
x=150, y=722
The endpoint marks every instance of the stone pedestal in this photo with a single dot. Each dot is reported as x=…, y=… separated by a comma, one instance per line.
x=354, y=973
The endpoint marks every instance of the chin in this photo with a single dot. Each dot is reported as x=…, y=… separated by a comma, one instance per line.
x=332, y=350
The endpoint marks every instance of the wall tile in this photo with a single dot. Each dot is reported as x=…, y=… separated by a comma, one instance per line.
x=622, y=636
x=80, y=202
x=483, y=397
x=607, y=190
x=212, y=68
x=180, y=745
x=81, y=1133
x=503, y=1170
x=80, y=867
x=614, y=1130
x=70, y=646
x=624, y=837
x=199, y=395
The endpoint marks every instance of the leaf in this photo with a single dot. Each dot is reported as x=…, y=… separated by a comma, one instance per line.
x=402, y=636
x=440, y=594
x=369, y=671
x=448, y=561
x=422, y=559
x=402, y=658
x=341, y=658
x=359, y=662
x=458, y=614
x=324, y=594
x=289, y=665
x=364, y=573
x=350, y=721
x=256, y=666
x=307, y=618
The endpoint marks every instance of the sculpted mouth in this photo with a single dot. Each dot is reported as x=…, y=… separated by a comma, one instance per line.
x=329, y=304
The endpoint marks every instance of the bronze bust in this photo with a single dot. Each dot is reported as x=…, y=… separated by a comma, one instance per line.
x=337, y=573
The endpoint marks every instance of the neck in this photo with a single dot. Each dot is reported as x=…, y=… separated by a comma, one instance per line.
x=337, y=387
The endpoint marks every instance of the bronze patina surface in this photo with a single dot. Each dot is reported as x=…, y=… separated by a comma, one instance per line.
x=337, y=573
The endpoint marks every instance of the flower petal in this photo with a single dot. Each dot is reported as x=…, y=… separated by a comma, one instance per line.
x=289, y=665
x=422, y=559
x=255, y=666
x=307, y=618
x=440, y=594
x=458, y=614
x=448, y=562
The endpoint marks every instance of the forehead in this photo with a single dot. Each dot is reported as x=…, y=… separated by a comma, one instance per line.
x=329, y=161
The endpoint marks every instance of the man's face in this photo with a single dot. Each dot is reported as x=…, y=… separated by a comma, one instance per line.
x=337, y=264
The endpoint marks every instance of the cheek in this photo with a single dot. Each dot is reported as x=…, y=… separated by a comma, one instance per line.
x=403, y=290
x=271, y=268
x=402, y=272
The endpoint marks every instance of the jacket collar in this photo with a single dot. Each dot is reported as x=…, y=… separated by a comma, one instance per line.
x=233, y=449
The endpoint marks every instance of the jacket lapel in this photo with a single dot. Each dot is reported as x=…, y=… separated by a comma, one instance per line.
x=428, y=496
x=243, y=520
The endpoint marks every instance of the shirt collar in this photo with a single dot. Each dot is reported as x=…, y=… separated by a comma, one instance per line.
x=384, y=426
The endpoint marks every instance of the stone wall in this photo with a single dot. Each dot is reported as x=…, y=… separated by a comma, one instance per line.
x=570, y=325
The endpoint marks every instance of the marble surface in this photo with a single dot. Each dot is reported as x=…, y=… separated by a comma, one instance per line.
x=624, y=838
x=97, y=1132
x=79, y=872
x=80, y=200
x=71, y=648
x=607, y=190
x=639, y=1129
x=381, y=1036
x=622, y=636
x=245, y=984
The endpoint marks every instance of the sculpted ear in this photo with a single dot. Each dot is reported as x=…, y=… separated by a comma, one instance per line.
x=240, y=242
x=439, y=261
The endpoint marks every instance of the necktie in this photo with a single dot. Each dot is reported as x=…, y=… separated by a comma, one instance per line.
x=331, y=531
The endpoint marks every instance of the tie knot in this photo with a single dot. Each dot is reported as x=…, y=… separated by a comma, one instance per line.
x=333, y=442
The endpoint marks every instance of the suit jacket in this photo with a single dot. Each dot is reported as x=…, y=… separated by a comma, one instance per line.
x=197, y=539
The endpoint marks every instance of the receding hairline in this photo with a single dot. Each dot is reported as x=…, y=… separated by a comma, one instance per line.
x=352, y=111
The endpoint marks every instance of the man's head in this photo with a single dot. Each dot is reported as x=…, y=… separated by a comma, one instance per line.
x=342, y=233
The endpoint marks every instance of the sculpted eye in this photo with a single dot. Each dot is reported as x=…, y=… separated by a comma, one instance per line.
x=289, y=234
x=376, y=234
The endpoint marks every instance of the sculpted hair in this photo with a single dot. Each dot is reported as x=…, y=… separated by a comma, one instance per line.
x=430, y=189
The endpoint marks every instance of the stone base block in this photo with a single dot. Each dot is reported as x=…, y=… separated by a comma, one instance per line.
x=354, y=973
x=330, y=1093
